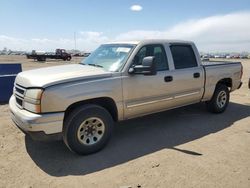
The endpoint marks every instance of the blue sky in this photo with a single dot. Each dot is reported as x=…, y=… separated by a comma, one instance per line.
x=31, y=24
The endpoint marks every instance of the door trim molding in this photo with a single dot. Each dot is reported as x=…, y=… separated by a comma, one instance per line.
x=150, y=102
x=187, y=94
x=161, y=100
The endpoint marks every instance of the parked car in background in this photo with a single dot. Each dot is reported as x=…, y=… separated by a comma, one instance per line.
x=86, y=54
x=236, y=56
x=243, y=57
x=249, y=83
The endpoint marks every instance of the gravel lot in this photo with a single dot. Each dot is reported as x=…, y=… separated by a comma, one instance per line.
x=185, y=147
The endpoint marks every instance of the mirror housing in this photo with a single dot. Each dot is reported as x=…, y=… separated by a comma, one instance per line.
x=148, y=67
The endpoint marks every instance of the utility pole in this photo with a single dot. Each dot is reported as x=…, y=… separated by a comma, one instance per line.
x=75, y=40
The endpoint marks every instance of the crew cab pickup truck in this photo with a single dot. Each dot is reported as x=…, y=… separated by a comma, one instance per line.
x=79, y=103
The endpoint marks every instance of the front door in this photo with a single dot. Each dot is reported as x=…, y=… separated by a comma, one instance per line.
x=146, y=94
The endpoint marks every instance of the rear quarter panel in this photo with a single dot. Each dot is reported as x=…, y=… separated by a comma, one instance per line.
x=218, y=72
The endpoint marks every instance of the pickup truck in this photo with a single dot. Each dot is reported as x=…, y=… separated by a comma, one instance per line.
x=42, y=56
x=79, y=103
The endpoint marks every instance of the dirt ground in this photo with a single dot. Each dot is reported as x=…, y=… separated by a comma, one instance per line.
x=185, y=147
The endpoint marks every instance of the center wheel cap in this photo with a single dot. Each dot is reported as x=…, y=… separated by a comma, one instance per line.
x=90, y=131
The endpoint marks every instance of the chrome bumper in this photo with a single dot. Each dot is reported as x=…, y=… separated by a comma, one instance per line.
x=49, y=124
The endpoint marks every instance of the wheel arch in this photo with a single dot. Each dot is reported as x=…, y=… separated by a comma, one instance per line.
x=105, y=102
x=226, y=81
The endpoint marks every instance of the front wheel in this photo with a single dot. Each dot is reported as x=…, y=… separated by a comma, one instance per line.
x=87, y=129
x=220, y=99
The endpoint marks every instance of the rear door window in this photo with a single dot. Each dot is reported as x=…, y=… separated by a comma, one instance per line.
x=183, y=56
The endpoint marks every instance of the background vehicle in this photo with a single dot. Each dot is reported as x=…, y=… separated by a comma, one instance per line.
x=116, y=82
x=42, y=56
x=249, y=83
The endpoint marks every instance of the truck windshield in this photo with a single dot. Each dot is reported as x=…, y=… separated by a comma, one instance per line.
x=111, y=57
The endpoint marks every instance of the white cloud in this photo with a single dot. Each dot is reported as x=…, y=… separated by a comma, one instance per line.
x=94, y=37
x=136, y=8
x=87, y=40
x=216, y=33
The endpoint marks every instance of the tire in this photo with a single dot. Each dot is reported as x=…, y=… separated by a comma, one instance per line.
x=220, y=99
x=87, y=129
x=68, y=58
x=41, y=59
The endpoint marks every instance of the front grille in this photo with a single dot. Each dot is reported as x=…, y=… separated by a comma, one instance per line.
x=19, y=101
x=19, y=92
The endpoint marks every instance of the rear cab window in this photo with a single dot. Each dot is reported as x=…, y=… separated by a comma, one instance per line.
x=183, y=56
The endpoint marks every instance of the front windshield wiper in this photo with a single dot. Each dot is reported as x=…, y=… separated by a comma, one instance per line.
x=95, y=65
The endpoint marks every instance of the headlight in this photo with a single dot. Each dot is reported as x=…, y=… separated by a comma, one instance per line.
x=32, y=100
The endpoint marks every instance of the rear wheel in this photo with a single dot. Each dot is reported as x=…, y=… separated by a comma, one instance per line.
x=87, y=129
x=220, y=99
x=41, y=59
x=68, y=58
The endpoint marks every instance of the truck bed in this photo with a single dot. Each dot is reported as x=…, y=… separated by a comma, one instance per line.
x=216, y=63
x=219, y=70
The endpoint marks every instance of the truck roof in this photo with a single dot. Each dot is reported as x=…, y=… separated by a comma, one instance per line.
x=151, y=41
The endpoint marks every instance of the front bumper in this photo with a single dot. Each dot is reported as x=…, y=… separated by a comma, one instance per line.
x=38, y=126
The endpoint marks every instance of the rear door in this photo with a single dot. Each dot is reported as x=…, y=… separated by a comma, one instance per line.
x=188, y=75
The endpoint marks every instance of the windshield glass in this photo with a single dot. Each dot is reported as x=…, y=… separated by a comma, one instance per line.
x=111, y=57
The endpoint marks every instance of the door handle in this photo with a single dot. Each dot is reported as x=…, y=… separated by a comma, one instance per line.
x=197, y=75
x=168, y=78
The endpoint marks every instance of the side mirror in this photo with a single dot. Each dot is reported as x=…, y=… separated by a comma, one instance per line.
x=148, y=67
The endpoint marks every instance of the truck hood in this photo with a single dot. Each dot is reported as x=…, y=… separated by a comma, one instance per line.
x=45, y=77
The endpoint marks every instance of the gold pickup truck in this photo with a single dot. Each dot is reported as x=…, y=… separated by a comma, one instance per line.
x=79, y=103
